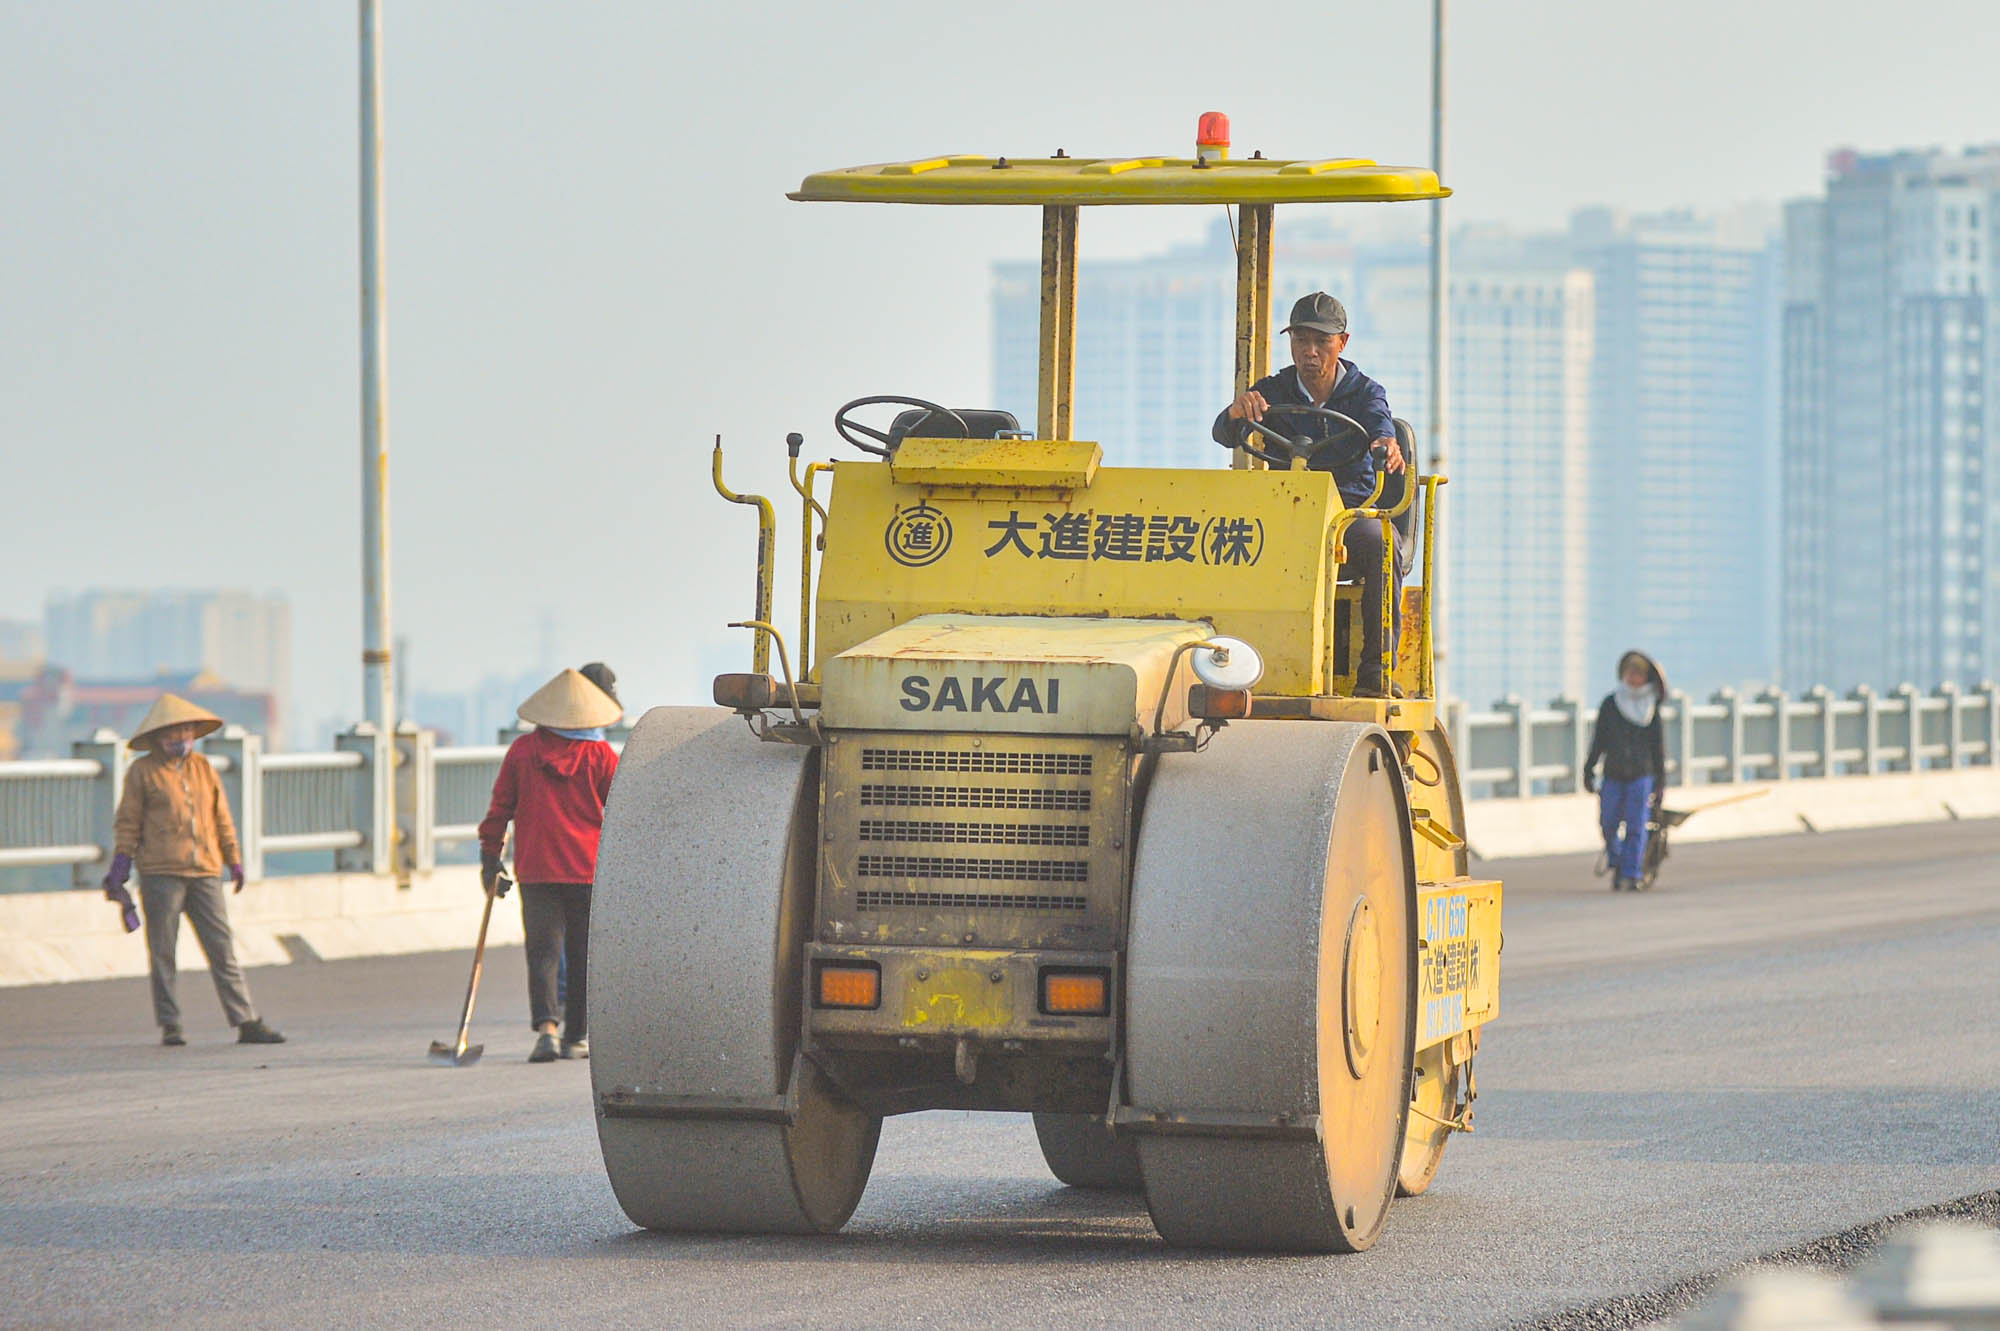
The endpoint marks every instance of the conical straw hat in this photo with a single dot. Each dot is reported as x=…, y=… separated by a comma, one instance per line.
x=172, y=710
x=569, y=702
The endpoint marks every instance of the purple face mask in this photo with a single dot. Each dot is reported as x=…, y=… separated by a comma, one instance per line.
x=177, y=748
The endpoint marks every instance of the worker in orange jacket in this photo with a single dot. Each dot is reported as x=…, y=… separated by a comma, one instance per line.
x=173, y=823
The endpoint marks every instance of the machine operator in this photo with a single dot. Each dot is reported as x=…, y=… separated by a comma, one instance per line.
x=1319, y=377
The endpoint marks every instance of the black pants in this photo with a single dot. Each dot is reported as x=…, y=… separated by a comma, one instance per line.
x=1364, y=565
x=556, y=918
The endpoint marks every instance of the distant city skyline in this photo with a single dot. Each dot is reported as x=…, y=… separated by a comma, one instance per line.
x=1610, y=383
x=1892, y=515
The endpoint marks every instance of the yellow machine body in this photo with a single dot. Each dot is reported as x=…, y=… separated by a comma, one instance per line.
x=1248, y=553
x=1221, y=940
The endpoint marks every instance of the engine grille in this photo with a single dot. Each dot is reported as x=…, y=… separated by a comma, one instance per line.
x=974, y=797
x=1058, y=882
x=951, y=866
x=1033, y=762
x=869, y=899
x=976, y=834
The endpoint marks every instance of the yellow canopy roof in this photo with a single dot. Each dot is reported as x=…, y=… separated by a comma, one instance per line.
x=1120, y=180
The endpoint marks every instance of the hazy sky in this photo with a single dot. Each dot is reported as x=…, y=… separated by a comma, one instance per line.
x=593, y=269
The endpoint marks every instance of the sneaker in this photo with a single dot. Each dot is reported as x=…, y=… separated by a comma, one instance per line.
x=171, y=1037
x=254, y=1031
x=546, y=1050
x=576, y=1049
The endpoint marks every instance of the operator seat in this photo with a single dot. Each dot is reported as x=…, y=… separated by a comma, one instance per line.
x=981, y=422
x=1405, y=523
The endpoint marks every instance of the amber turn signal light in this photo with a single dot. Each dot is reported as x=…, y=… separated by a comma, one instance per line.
x=1076, y=993
x=1218, y=704
x=856, y=984
x=745, y=692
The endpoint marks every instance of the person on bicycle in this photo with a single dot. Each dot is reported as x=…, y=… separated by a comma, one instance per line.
x=1319, y=377
x=1632, y=744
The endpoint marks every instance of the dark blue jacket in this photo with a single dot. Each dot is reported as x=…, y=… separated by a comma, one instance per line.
x=1356, y=395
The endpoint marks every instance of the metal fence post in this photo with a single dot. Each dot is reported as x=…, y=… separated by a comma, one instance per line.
x=1781, y=723
x=108, y=751
x=1683, y=745
x=1524, y=742
x=1455, y=728
x=1991, y=707
x=1871, y=727
x=1822, y=698
x=1949, y=692
x=1579, y=742
x=416, y=799
x=243, y=783
x=1913, y=726
x=374, y=806
x=1733, y=730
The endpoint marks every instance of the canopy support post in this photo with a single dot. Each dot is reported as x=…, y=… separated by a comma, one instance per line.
x=1253, y=305
x=1056, y=384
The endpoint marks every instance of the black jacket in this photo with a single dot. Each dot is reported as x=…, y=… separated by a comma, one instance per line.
x=1356, y=396
x=1629, y=751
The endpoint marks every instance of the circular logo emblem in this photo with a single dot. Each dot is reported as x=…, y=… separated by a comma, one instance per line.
x=918, y=535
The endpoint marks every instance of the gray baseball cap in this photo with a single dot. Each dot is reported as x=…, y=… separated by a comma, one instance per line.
x=1319, y=312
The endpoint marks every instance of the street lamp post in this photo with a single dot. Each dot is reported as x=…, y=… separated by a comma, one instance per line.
x=378, y=686
x=1440, y=349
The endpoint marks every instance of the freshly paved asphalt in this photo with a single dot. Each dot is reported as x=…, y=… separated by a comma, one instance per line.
x=1787, y=1039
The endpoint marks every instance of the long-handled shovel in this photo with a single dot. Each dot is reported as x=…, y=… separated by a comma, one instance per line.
x=460, y=1055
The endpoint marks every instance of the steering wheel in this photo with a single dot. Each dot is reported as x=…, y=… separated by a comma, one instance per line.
x=847, y=429
x=1324, y=454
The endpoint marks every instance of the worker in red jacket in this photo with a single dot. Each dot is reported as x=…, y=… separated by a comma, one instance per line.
x=552, y=787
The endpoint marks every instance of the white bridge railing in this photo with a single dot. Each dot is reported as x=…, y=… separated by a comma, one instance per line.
x=1519, y=750
x=385, y=803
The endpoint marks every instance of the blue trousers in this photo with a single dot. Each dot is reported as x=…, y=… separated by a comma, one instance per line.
x=1622, y=804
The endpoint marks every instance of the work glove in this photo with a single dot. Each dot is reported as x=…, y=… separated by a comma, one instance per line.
x=115, y=891
x=490, y=876
x=236, y=876
x=128, y=913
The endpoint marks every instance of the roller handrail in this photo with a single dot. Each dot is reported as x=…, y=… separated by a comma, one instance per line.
x=806, y=546
x=767, y=539
x=784, y=662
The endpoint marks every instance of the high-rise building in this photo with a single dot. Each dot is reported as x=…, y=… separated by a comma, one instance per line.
x=1517, y=511
x=1890, y=490
x=1684, y=444
x=237, y=637
x=1153, y=349
x=1155, y=362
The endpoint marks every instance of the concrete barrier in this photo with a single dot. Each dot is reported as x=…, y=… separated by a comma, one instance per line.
x=1565, y=824
x=52, y=937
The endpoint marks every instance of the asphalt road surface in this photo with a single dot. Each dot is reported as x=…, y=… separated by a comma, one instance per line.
x=1787, y=1039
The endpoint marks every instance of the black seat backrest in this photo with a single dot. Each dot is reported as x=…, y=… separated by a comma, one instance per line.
x=918, y=423
x=1392, y=495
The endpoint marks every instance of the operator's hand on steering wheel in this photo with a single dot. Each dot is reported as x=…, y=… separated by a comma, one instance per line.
x=1393, y=461
x=1251, y=406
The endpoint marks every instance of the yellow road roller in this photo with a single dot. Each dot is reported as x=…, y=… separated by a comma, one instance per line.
x=1061, y=800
